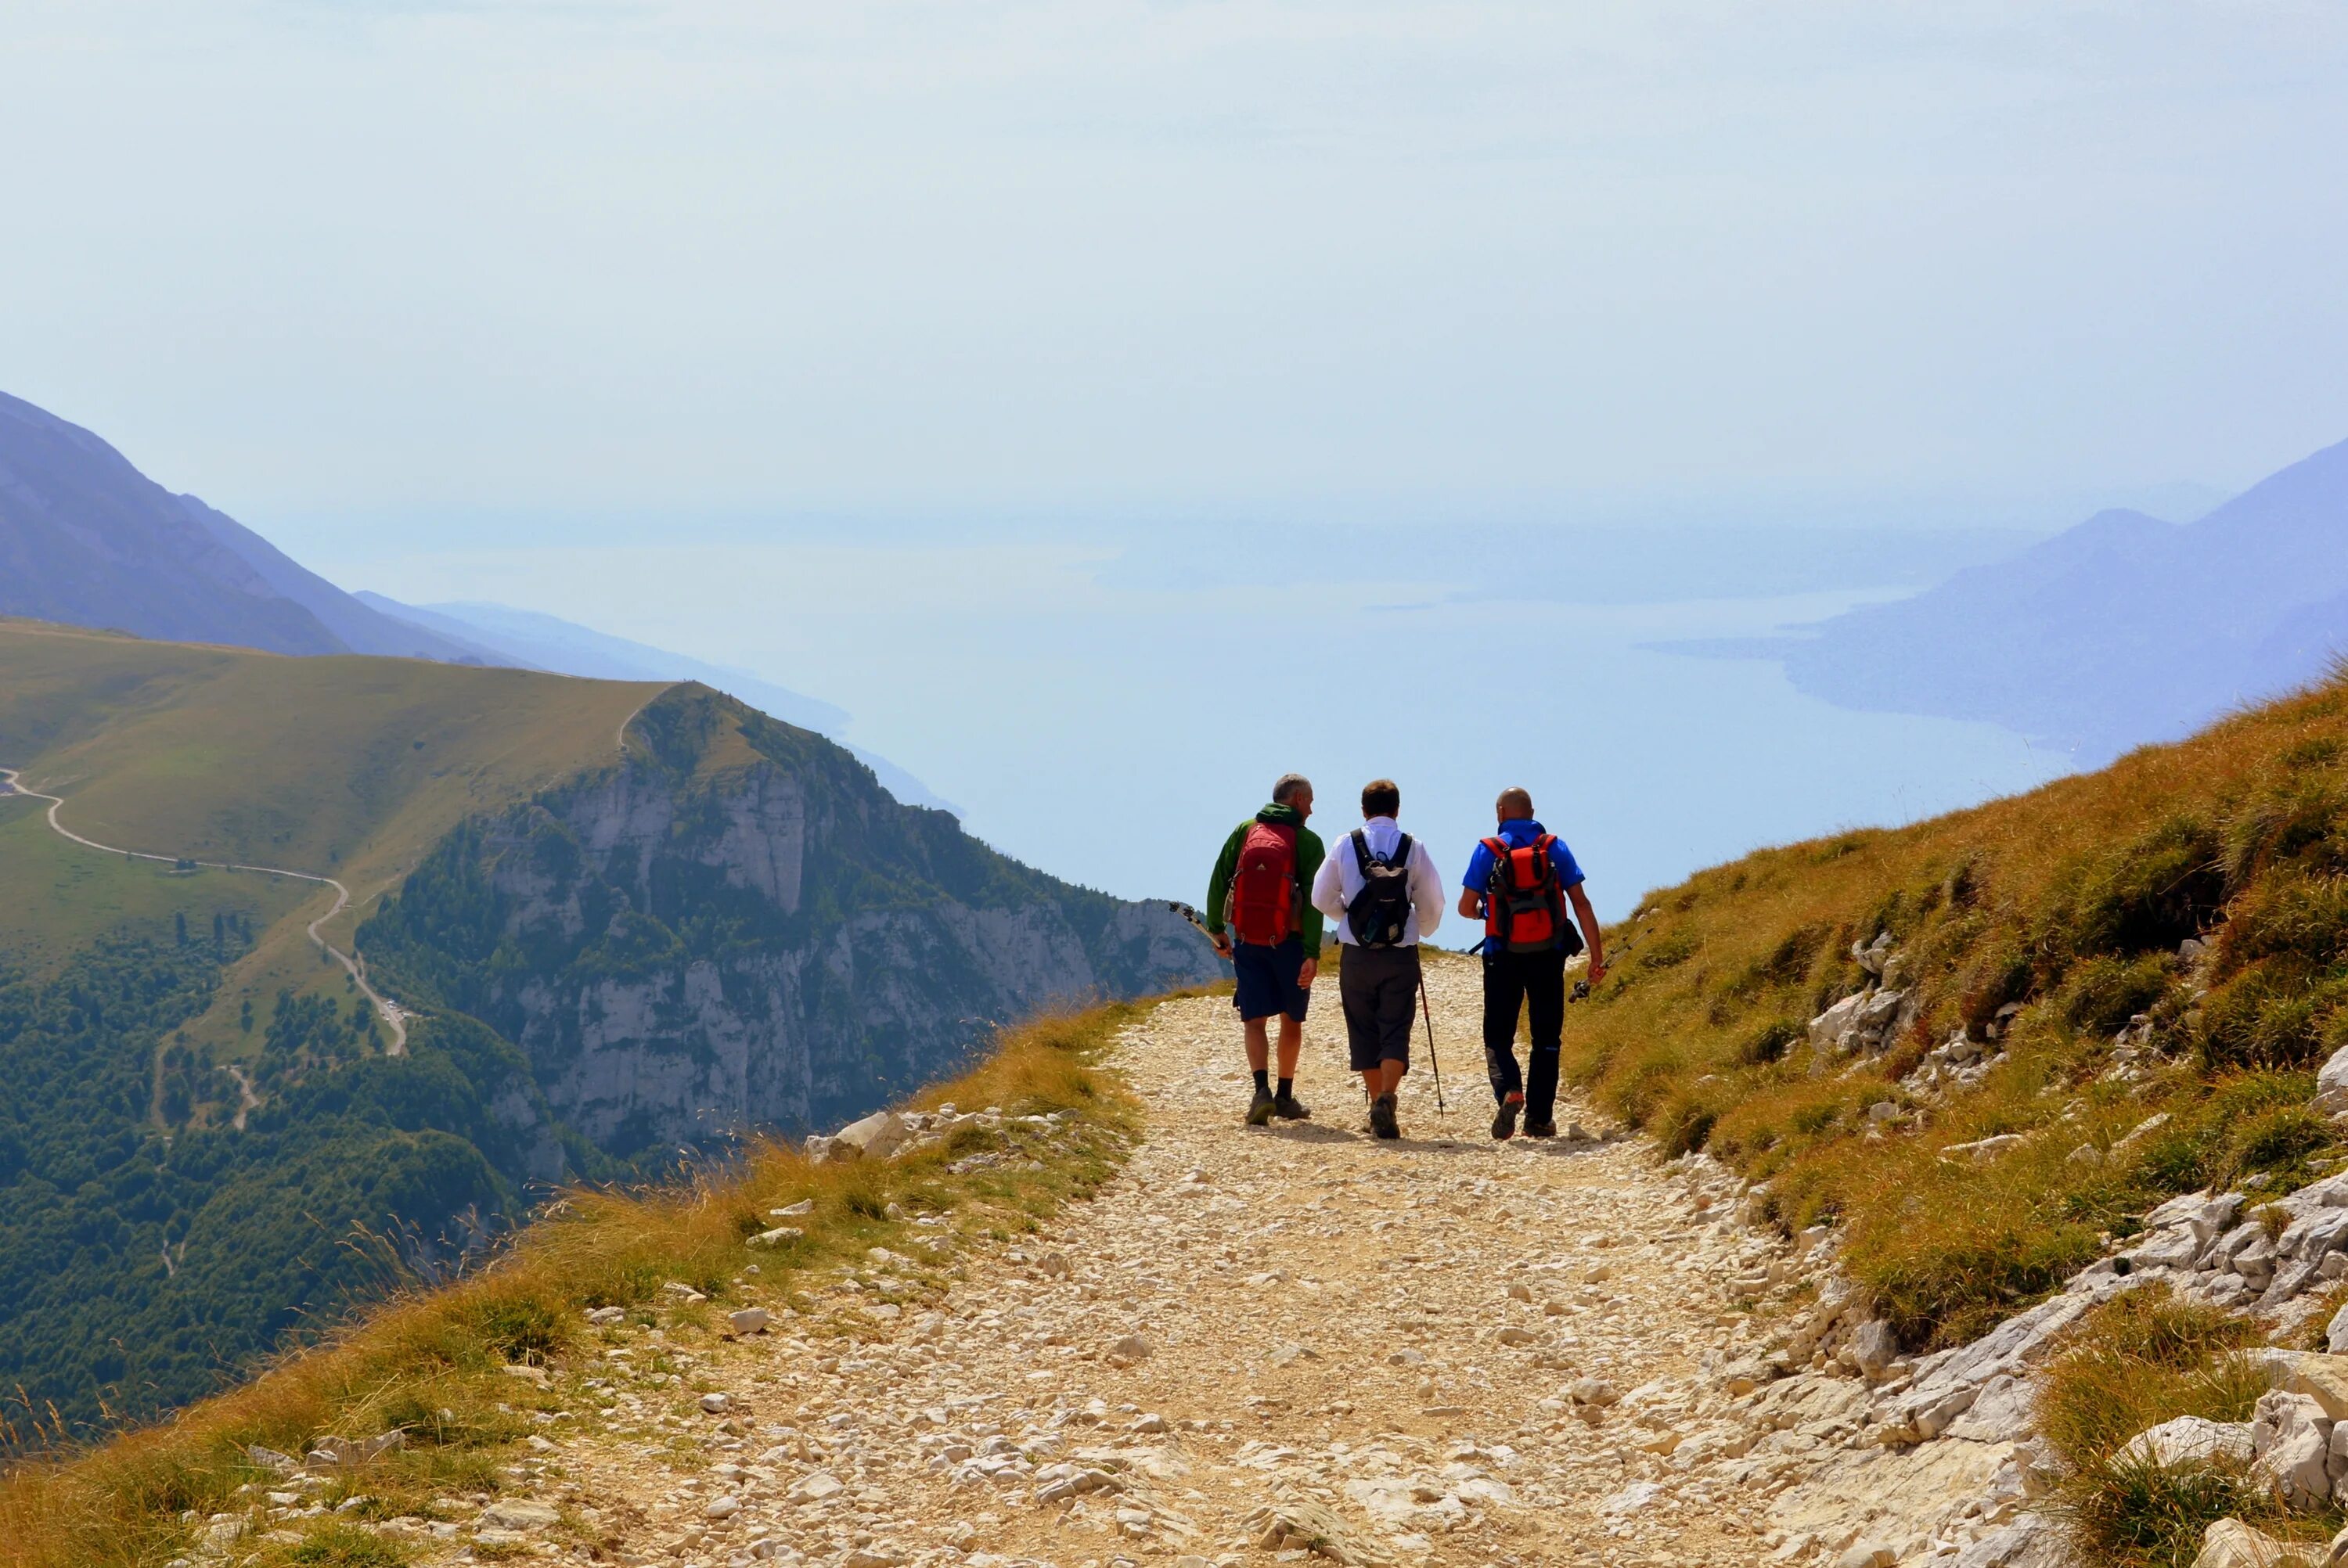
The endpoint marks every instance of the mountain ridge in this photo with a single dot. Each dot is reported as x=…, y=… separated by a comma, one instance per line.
x=2123, y=631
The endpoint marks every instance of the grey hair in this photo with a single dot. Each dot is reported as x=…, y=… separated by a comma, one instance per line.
x=1288, y=785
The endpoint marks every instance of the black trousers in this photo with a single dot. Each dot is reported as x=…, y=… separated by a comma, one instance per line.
x=1515, y=982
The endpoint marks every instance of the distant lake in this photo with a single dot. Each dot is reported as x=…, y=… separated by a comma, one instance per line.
x=1111, y=732
x=1118, y=749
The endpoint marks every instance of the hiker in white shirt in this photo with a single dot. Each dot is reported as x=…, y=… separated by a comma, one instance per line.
x=1381, y=888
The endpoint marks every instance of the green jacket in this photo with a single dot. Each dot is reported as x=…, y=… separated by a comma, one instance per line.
x=1309, y=853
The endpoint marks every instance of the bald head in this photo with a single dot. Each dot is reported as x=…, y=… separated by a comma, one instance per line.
x=1514, y=806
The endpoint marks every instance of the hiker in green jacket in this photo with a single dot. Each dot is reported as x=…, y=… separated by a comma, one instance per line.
x=1273, y=940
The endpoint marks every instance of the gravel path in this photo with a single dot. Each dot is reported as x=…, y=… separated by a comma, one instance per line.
x=1441, y=1351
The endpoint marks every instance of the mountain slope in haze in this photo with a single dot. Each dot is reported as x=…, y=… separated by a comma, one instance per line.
x=2123, y=631
x=89, y=540
x=625, y=918
x=533, y=641
x=359, y=626
x=529, y=640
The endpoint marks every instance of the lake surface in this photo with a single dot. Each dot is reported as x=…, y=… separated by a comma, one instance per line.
x=1111, y=732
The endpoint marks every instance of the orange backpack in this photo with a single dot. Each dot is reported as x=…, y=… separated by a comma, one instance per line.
x=1524, y=907
x=1262, y=908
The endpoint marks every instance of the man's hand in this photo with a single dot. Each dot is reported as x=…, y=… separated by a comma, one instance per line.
x=1597, y=970
x=1223, y=944
x=1304, y=974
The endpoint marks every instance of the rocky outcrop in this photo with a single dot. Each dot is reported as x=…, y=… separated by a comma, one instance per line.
x=745, y=931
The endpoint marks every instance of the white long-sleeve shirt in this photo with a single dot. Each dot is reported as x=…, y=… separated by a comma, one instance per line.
x=1339, y=881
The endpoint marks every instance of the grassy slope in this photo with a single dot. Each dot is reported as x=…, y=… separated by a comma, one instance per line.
x=61, y=896
x=434, y=1363
x=2070, y=901
x=343, y=766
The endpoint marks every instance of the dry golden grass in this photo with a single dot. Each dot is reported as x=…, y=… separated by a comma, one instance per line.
x=2069, y=901
x=435, y=1363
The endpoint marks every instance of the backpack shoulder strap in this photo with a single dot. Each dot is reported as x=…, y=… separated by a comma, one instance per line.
x=1361, y=850
x=1402, y=852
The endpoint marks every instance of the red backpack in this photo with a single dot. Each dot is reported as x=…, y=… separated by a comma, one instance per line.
x=1262, y=908
x=1524, y=907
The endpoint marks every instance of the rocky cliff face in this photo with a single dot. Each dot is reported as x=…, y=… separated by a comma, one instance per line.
x=738, y=928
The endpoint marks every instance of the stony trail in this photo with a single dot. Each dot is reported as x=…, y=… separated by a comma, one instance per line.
x=1439, y=1351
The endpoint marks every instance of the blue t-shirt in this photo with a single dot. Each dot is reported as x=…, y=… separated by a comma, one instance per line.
x=1515, y=835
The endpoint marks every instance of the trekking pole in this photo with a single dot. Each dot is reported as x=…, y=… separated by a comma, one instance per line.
x=1433, y=1061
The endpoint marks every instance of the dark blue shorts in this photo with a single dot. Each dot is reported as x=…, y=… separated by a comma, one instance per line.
x=1267, y=977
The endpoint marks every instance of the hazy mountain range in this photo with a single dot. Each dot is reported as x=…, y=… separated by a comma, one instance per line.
x=87, y=539
x=2122, y=630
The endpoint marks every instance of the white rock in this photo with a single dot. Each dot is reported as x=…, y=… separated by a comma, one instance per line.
x=749, y=1319
x=1981, y=1151
x=875, y=1137
x=1868, y=1554
x=2331, y=1084
x=777, y=1237
x=2292, y=1437
x=2187, y=1440
x=793, y=1211
x=1831, y=1027
x=602, y=1315
x=2141, y=1130
x=520, y=1514
x=1872, y=1346
x=716, y=1404
x=1632, y=1497
x=2231, y=1543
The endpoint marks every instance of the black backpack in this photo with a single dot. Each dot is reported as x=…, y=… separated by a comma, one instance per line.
x=1377, y=915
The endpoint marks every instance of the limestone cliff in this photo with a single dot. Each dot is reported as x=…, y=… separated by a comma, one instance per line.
x=737, y=927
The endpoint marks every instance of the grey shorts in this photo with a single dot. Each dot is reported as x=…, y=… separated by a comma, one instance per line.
x=1378, y=987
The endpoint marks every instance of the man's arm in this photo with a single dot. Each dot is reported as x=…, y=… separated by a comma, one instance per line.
x=1591, y=937
x=1329, y=889
x=1310, y=857
x=1218, y=887
x=1425, y=890
x=1471, y=891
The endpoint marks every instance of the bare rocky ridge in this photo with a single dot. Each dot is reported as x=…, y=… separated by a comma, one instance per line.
x=1260, y=1346
x=684, y=949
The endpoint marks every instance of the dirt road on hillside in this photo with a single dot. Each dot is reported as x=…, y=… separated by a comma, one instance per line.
x=1379, y=1343
x=395, y=1018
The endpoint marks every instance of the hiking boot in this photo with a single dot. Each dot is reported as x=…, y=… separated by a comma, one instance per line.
x=1260, y=1109
x=1504, y=1121
x=1381, y=1117
x=1540, y=1129
x=1289, y=1108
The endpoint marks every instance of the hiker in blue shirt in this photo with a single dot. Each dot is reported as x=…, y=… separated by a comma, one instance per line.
x=1518, y=883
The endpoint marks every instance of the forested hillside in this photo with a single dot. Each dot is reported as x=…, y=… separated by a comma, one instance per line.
x=149, y=1246
x=620, y=923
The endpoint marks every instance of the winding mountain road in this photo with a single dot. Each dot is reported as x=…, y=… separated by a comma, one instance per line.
x=394, y=1018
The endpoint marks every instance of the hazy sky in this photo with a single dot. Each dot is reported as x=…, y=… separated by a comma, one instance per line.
x=334, y=261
